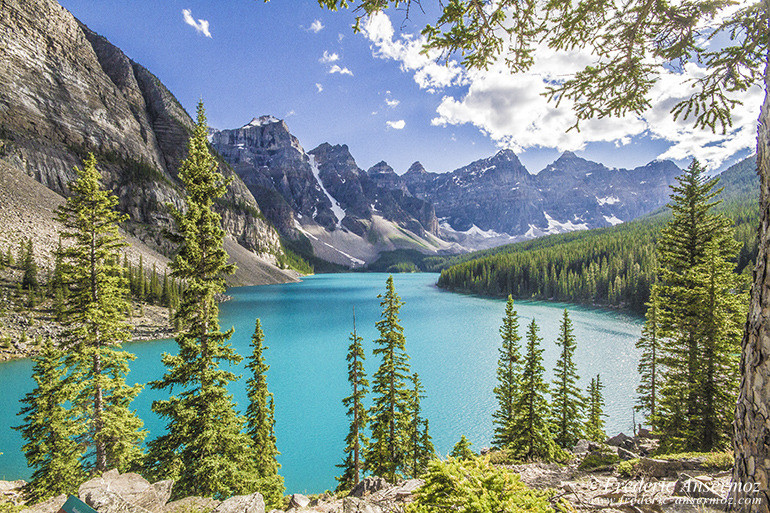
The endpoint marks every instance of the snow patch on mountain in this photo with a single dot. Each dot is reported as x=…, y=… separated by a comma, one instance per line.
x=555, y=226
x=608, y=200
x=338, y=211
x=612, y=220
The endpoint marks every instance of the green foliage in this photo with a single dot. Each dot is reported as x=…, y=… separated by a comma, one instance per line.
x=94, y=323
x=598, y=459
x=627, y=468
x=260, y=423
x=462, y=450
x=388, y=452
x=205, y=448
x=531, y=438
x=29, y=267
x=49, y=429
x=419, y=443
x=649, y=345
x=289, y=259
x=355, y=441
x=701, y=319
x=508, y=374
x=567, y=401
x=594, y=428
x=475, y=486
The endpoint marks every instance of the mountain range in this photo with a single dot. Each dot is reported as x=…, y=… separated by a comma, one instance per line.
x=66, y=91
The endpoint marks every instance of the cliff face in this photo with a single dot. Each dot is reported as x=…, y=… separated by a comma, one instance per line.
x=66, y=91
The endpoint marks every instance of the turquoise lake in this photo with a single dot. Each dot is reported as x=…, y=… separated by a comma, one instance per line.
x=452, y=340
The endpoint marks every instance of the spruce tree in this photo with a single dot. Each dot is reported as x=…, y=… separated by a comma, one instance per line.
x=387, y=453
x=205, y=448
x=649, y=345
x=29, y=267
x=530, y=430
x=420, y=447
x=95, y=325
x=356, y=440
x=49, y=430
x=508, y=371
x=260, y=423
x=567, y=402
x=595, y=422
x=462, y=450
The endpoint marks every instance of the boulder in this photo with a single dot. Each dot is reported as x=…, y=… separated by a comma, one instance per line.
x=407, y=488
x=253, y=503
x=298, y=501
x=581, y=447
x=625, y=454
x=622, y=440
x=651, y=467
x=687, y=486
x=125, y=493
x=188, y=504
x=355, y=505
x=52, y=505
x=368, y=486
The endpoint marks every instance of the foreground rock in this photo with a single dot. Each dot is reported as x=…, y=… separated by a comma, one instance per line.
x=125, y=493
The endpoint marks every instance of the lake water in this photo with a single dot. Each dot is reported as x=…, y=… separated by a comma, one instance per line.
x=452, y=340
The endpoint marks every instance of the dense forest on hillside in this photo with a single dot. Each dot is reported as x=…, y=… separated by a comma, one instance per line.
x=612, y=266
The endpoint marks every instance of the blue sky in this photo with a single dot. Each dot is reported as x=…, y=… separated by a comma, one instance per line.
x=374, y=92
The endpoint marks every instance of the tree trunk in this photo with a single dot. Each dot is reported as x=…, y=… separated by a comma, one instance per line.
x=752, y=415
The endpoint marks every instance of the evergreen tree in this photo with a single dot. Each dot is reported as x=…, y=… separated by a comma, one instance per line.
x=567, y=402
x=9, y=258
x=532, y=439
x=695, y=297
x=420, y=447
x=356, y=441
x=49, y=430
x=595, y=423
x=649, y=345
x=387, y=453
x=94, y=322
x=205, y=448
x=462, y=450
x=29, y=266
x=260, y=417
x=508, y=371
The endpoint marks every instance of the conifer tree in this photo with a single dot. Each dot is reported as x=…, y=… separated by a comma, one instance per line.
x=389, y=415
x=356, y=440
x=49, y=430
x=205, y=448
x=649, y=344
x=420, y=447
x=462, y=450
x=9, y=258
x=532, y=439
x=29, y=266
x=508, y=371
x=567, y=403
x=260, y=418
x=595, y=422
x=94, y=322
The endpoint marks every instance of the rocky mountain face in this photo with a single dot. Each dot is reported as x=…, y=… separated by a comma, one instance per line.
x=347, y=214
x=66, y=91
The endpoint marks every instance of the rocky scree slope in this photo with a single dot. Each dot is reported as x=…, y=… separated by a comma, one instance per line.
x=66, y=91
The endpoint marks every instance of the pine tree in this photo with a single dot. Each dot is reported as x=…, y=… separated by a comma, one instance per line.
x=508, y=371
x=260, y=423
x=697, y=353
x=29, y=266
x=532, y=439
x=420, y=447
x=49, y=429
x=462, y=450
x=649, y=345
x=356, y=440
x=94, y=322
x=388, y=452
x=205, y=448
x=567, y=403
x=595, y=423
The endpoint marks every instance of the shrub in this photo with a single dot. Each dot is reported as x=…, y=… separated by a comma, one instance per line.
x=627, y=468
x=476, y=486
x=598, y=459
x=720, y=460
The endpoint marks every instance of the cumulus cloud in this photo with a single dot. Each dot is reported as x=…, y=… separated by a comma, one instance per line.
x=319, y=87
x=316, y=26
x=200, y=26
x=511, y=110
x=341, y=71
x=391, y=102
x=329, y=57
x=396, y=125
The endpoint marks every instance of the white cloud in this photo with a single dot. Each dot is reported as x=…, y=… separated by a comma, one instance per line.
x=511, y=110
x=396, y=125
x=316, y=26
x=319, y=87
x=341, y=71
x=200, y=26
x=327, y=57
x=392, y=102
